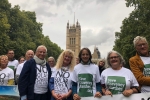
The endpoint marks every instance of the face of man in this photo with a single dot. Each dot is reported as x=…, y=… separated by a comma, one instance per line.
x=41, y=53
x=29, y=54
x=51, y=62
x=142, y=48
x=10, y=55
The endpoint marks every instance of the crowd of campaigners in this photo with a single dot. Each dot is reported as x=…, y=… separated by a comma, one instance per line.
x=70, y=77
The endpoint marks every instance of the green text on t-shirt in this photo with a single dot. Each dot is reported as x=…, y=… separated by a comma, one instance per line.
x=85, y=85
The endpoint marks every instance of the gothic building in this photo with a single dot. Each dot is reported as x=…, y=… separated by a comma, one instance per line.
x=96, y=55
x=73, y=37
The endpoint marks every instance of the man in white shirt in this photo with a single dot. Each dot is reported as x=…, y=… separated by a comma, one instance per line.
x=13, y=63
x=28, y=56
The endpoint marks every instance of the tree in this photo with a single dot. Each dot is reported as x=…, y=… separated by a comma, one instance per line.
x=20, y=31
x=137, y=24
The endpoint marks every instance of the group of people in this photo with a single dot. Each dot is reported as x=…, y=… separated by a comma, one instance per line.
x=70, y=77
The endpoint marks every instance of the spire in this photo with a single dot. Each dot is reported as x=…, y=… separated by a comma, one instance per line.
x=68, y=24
x=74, y=18
x=77, y=24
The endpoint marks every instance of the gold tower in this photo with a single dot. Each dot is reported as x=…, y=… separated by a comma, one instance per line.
x=73, y=38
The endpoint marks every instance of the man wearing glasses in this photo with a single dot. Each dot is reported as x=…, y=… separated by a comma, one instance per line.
x=140, y=63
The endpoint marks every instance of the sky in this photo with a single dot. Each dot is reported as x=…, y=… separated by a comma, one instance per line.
x=99, y=20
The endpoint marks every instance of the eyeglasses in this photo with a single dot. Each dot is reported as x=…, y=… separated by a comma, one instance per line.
x=142, y=44
x=113, y=57
x=50, y=61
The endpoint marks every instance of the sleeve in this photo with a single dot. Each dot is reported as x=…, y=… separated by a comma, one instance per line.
x=18, y=70
x=135, y=68
x=97, y=75
x=98, y=87
x=24, y=79
x=51, y=84
x=74, y=76
x=134, y=81
x=102, y=78
x=74, y=88
x=51, y=81
x=17, y=63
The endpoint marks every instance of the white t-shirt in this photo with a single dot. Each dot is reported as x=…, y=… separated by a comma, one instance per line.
x=5, y=75
x=41, y=82
x=62, y=80
x=13, y=64
x=118, y=80
x=146, y=72
x=86, y=77
x=52, y=69
x=19, y=68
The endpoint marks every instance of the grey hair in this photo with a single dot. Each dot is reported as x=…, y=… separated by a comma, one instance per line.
x=139, y=38
x=122, y=61
x=52, y=58
x=41, y=46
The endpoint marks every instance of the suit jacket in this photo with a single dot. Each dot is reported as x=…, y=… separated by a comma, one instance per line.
x=27, y=79
x=137, y=67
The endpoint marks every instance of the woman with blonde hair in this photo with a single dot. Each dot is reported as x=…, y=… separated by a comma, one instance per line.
x=6, y=73
x=101, y=65
x=60, y=82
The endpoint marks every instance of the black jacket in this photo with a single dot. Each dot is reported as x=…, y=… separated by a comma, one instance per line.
x=27, y=79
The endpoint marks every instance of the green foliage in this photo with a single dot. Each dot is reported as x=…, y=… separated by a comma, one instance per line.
x=20, y=31
x=137, y=24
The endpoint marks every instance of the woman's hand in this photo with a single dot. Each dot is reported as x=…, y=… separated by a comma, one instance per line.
x=107, y=92
x=57, y=96
x=98, y=94
x=127, y=92
x=76, y=97
x=64, y=96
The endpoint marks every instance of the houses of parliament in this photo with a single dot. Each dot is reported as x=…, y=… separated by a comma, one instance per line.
x=73, y=41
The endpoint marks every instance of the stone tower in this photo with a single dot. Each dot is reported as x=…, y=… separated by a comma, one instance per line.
x=73, y=37
x=96, y=55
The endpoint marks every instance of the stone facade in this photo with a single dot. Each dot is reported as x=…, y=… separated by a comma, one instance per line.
x=73, y=38
x=96, y=55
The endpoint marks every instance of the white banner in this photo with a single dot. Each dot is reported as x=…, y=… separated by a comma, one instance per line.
x=138, y=96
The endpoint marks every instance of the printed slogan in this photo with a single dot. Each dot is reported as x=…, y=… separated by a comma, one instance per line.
x=85, y=85
x=61, y=82
x=116, y=84
x=42, y=77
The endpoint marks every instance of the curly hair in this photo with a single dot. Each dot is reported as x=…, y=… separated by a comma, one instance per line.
x=61, y=58
x=122, y=61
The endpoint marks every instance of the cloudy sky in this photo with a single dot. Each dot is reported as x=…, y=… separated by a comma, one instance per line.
x=99, y=20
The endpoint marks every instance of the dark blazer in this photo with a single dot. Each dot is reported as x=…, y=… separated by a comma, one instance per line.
x=27, y=79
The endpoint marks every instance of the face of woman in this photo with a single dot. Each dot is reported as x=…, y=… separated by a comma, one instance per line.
x=85, y=56
x=67, y=59
x=114, y=61
x=21, y=60
x=4, y=61
x=101, y=63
